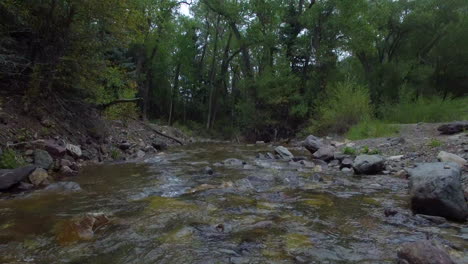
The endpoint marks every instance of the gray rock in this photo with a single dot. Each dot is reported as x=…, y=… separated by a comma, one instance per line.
x=284, y=153
x=269, y=155
x=42, y=159
x=368, y=164
x=67, y=171
x=63, y=187
x=8, y=178
x=307, y=164
x=346, y=170
x=340, y=156
x=38, y=177
x=299, y=158
x=449, y=157
x=25, y=186
x=334, y=163
x=312, y=143
x=321, y=163
x=65, y=162
x=435, y=189
x=140, y=154
x=74, y=150
x=347, y=163
x=325, y=153
x=423, y=252
x=125, y=146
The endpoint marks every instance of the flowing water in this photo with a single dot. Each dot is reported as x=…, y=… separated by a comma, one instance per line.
x=168, y=210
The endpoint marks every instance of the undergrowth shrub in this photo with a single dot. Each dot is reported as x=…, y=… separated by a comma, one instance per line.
x=344, y=105
x=426, y=109
x=11, y=160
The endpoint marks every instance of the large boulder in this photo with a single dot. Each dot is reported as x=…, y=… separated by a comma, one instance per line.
x=38, y=177
x=325, y=153
x=42, y=159
x=453, y=128
x=449, y=157
x=369, y=164
x=312, y=143
x=8, y=178
x=423, y=252
x=284, y=153
x=435, y=189
x=55, y=150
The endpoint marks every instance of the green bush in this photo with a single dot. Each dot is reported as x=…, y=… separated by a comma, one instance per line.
x=426, y=109
x=371, y=129
x=11, y=160
x=344, y=105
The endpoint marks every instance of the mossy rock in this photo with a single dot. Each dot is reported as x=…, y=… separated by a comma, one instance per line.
x=295, y=243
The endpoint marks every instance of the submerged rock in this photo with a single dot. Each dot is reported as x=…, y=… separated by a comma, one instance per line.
x=368, y=164
x=234, y=162
x=42, y=159
x=8, y=178
x=81, y=229
x=449, y=157
x=284, y=153
x=423, y=252
x=63, y=187
x=435, y=189
x=312, y=143
x=208, y=170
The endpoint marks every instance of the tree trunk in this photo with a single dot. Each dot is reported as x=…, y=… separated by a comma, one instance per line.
x=174, y=89
x=212, y=75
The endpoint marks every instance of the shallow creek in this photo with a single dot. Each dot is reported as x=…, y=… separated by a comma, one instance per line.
x=168, y=210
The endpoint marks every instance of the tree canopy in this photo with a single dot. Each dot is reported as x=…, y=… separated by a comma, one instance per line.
x=255, y=67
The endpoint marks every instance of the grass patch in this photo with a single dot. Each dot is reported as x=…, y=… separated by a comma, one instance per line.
x=434, y=143
x=430, y=110
x=349, y=151
x=371, y=129
x=367, y=150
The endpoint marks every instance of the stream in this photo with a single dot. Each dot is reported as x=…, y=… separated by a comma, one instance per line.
x=167, y=209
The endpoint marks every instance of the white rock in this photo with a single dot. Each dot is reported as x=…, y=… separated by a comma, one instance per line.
x=395, y=158
x=449, y=157
x=74, y=150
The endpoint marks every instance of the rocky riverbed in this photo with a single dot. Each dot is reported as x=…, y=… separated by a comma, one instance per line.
x=319, y=200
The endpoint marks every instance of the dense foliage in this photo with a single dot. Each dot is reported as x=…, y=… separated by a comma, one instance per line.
x=259, y=68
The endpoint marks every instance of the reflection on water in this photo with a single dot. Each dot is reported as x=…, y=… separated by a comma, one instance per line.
x=168, y=210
